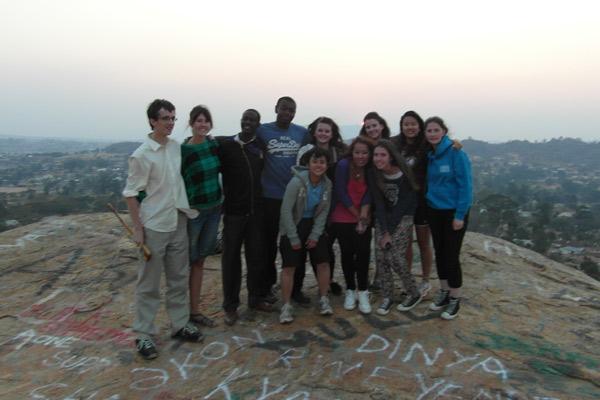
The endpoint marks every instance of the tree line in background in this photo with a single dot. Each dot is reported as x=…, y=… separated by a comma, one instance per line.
x=521, y=195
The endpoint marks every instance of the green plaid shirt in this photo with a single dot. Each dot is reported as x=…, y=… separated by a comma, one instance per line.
x=200, y=167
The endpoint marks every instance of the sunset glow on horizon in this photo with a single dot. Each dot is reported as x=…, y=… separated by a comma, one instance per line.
x=496, y=72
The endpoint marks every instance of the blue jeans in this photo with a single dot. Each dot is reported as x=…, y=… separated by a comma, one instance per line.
x=202, y=232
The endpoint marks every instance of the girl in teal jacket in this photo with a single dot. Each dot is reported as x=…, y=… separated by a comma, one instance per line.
x=449, y=197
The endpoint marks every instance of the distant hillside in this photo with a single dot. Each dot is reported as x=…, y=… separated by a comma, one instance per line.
x=122, y=147
x=563, y=151
x=28, y=145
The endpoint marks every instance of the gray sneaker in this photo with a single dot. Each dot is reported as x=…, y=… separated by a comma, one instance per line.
x=286, y=314
x=324, y=306
x=441, y=300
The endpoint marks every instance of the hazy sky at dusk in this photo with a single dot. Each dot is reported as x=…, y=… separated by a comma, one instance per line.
x=494, y=71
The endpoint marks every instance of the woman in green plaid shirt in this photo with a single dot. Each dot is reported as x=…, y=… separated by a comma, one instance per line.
x=200, y=170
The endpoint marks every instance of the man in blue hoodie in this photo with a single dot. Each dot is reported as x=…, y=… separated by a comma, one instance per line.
x=282, y=140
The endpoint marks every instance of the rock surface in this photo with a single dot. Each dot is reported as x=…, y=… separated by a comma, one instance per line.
x=529, y=328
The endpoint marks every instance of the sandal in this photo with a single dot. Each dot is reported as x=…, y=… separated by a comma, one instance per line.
x=202, y=319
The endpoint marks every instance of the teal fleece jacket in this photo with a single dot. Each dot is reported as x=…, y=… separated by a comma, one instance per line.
x=294, y=202
x=449, y=182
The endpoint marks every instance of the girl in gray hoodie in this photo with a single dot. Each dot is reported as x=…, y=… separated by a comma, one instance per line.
x=304, y=212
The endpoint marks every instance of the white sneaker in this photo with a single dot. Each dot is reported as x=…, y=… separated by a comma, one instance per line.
x=424, y=288
x=324, y=306
x=363, y=302
x=350, y=300
x=286, y=314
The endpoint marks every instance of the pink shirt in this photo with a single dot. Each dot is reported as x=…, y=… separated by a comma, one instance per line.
x=356, y=190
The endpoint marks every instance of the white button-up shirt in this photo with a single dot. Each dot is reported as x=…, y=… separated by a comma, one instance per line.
x=156, y=169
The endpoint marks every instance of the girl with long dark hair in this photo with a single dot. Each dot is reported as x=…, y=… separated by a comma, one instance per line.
x=350, y=222
x=413, y=147
x=323, y=133
x=395, y=194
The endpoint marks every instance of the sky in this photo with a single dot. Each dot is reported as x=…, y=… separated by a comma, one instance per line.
x=494, y=71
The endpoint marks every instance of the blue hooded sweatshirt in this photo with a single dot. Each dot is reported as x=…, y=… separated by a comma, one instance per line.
x=449, y=183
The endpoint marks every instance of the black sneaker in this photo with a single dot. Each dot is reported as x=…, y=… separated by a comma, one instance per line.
x=441, y=300
x=263, y=306
x=452, y=308
x=300, y=298
x=146, y=348
x=409, y=303
x=385, y=306
x=189, y=333
x=203, y=320
x=270, y=297
x=335, y=289
x=231, y=317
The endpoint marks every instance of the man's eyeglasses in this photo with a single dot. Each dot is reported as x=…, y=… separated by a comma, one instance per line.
x=166, y=119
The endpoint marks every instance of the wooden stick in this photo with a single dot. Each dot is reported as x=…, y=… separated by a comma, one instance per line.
x=145, y=249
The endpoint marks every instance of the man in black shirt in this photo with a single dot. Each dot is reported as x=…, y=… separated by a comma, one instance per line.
x=242, y=162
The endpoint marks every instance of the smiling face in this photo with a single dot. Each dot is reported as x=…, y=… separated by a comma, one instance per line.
x=317, y=166
x=164, y=123
x=249, y=122
x=360, y=155
x=410, y=128
x=201, y=125
x=382, y=158
x=285, y=110
x=373, y=129
x=434, y=133
x=323, y=133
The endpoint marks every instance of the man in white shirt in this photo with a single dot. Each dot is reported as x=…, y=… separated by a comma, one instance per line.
x=160, y=222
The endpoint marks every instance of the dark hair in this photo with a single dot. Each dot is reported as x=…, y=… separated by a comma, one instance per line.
x=396, y=159
x=359, y=140
x=200, y=110
x=154, y=108
x=285, y=98
x=438, y=121
x=420, y=136
x=315, y=152
x=252, y=110
x=419, y=146
x=385, y=133
x=336, y=138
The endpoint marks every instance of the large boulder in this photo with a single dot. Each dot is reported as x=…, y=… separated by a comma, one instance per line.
x=528, y=329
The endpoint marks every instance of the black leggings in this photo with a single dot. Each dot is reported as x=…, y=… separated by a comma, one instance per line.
x=356, y=253
x=270, y=234
x=447, y=243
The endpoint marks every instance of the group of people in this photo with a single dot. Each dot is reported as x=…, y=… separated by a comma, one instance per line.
x=294, y=190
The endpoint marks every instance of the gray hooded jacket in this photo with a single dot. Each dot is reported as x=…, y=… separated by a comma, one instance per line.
x=294, y=203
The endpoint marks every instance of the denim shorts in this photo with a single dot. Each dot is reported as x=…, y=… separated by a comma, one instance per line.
x=202, y=233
